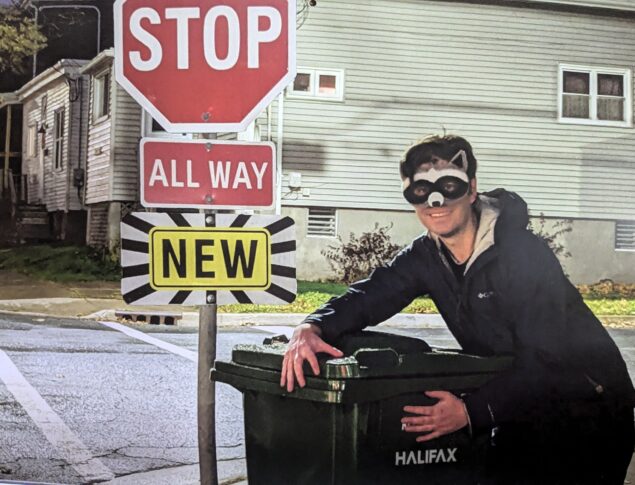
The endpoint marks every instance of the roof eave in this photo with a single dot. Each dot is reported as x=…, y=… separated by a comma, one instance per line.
x=97, y=61
x=61, y=68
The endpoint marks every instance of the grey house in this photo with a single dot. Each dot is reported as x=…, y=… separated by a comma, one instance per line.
x=54, y=146
x=542, y=89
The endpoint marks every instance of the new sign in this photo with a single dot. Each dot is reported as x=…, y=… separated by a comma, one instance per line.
x=207, y=65
x=207, y=174
x=230, y=258
x=173, y=258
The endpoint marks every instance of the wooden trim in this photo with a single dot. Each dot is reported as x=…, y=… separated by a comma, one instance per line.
x=7, y=144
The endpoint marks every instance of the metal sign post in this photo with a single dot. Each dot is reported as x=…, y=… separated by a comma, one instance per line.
x=206, y=389
x=206, y=400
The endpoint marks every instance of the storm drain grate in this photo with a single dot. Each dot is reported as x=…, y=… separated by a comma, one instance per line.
x=153, y=318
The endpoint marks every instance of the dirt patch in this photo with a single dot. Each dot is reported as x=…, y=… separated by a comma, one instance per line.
x=618, y=321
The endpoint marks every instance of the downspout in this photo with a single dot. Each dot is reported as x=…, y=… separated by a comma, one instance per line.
x=68, y=119
x=80, y=134
x=7, y=149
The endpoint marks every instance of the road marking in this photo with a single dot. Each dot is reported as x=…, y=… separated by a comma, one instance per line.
x=131, y=332
x=288, y=331
x=71, y=448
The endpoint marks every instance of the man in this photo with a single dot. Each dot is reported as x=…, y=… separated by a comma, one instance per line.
x=563, y=413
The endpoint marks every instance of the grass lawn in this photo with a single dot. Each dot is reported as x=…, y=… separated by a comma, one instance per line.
x=63, y=264
x=66, y=264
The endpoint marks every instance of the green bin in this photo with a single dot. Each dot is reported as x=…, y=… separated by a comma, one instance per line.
x=344, y=427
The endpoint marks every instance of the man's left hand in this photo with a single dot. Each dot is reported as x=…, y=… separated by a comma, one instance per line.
x=444, y=417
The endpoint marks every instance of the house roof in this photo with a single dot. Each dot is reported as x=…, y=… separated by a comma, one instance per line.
x=98, y=61
x=61, y=68
x=7, y=99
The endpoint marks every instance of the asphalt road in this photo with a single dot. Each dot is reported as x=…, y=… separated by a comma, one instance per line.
x=83, y=390
x=83, y=402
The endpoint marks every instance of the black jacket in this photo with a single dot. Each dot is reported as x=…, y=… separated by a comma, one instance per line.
x=514, y=299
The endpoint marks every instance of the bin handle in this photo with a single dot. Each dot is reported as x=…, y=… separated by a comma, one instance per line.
x=377, y=358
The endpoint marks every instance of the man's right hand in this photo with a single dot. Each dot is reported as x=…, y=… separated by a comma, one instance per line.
x=304, y=344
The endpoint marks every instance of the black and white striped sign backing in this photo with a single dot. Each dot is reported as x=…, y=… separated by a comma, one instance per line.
x=135, y=259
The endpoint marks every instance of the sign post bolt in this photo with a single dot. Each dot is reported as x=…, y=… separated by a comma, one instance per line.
x=205, y=116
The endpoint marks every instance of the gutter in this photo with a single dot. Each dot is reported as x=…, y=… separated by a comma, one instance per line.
x=7, y=99
x=48, y=76
x=96, y=61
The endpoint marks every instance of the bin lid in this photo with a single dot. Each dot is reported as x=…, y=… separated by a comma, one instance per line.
x=375, y=362
x=367, y=374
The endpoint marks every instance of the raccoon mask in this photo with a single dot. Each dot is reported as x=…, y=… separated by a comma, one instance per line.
x=434, y=186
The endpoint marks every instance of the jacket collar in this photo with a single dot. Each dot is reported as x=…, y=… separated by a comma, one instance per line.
x=488, y=210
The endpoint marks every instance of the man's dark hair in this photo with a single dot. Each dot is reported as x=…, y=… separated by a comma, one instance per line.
x=432, y=147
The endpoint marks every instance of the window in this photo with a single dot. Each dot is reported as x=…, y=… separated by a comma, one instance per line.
x=31, y=141
x=152, y=128
x=598, y=96
x=101, y=95
x=58, y=138
x=625, y=235
x=322, y=222
x=318, y=83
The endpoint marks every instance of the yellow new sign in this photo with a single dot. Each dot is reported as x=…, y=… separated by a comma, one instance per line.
x=227, y=258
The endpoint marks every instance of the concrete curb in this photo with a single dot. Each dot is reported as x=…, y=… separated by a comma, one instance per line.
x=190, y=319
x=104, y=309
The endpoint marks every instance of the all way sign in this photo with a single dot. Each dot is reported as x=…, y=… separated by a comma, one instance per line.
x=174, y=258
x=207, y=174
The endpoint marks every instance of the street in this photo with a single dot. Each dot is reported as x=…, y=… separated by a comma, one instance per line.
x=83, y=402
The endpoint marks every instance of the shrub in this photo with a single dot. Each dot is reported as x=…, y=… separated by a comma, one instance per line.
x=356, y=258
x=552, y=235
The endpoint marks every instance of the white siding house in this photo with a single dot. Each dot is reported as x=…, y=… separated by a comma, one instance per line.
x=114, y=131
x=54, y=144
x=542, y=89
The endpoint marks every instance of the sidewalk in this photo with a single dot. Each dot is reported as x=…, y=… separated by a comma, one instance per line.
x=100, y=300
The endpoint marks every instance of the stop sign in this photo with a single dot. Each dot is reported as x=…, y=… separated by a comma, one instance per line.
x=204, y=65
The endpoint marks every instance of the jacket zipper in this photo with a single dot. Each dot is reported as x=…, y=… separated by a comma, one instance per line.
x=457, y=286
